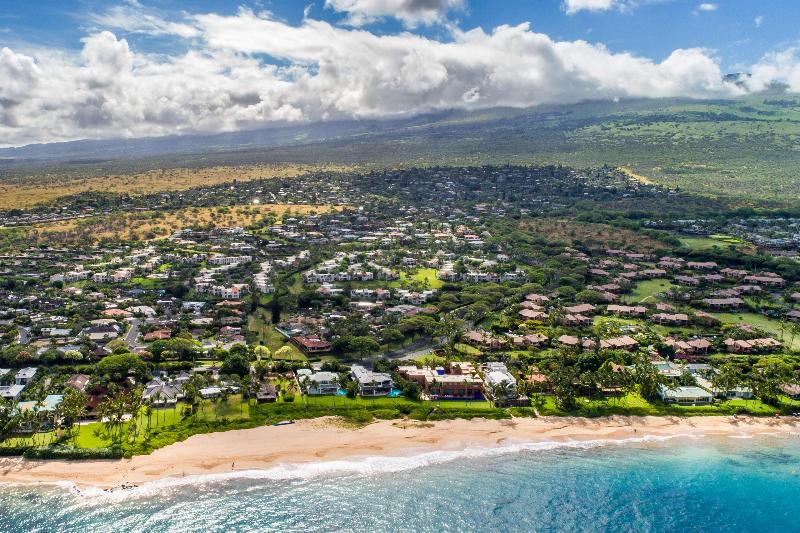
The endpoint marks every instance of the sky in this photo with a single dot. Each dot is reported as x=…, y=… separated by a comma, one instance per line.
x=76, y=69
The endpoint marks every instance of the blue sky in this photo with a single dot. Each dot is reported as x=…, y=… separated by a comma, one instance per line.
x=74, y=69
x=653, y=29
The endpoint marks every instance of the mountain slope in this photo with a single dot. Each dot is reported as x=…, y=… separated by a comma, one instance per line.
x=746, y=147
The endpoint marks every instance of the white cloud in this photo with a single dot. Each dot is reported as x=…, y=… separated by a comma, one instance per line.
x=247, y=70
x=783, y=67
x=410, y=12
x=706, y=7
x=574, y=6
x=758, y=21
x=134, y=18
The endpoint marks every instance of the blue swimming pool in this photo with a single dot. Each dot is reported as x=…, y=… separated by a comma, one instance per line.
x=394, y=394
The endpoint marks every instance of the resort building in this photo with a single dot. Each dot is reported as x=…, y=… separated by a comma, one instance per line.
x=438, y=385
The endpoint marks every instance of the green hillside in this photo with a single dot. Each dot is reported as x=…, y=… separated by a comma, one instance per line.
x=747, y=148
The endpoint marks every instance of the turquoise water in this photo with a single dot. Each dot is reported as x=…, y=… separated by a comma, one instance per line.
x=680, y=485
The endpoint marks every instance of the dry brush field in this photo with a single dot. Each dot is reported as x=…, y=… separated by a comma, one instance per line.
x=146, y=225
x=28, y=191
x=594, y=235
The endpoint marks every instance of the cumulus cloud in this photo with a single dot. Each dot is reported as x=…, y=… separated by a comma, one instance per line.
x=410, y=12
x=246, y=70
x=782, y=67
x=758, y=21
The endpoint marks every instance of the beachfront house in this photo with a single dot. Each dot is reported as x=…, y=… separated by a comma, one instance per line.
x=500, y=385
x=45, y=411
x=685, y=395
x=371, y=383
x=162, y=394
x=318, y=383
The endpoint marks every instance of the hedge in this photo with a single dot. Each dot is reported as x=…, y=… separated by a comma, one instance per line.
x=70, y=453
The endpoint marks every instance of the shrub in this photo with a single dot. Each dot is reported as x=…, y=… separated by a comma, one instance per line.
x=405, y=408
x=70, y=453
x=359, y=416
x=288, y=397
x=10, y=451
x=386, y=414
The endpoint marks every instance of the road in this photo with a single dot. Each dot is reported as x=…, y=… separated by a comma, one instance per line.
x=133, y=333
x=417, y=348
x=24, y=335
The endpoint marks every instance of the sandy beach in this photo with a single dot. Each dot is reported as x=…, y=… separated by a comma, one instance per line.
x=327, y=440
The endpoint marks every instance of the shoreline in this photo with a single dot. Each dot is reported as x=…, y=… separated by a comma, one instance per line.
x=311, y=442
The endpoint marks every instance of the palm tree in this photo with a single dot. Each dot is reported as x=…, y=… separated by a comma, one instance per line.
x=156, y=400
x=148, y=412
x=245, y=396
x=335, y=382
x=304, y=389
x=500, y=392
x=372, y=385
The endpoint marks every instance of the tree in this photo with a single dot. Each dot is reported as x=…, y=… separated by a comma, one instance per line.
x=451, y=329
x=728, y=377
x=120, y=366
x=392, y=335
x=364, y=346
x=118, y=346
x=649, y=379
x=563, y=379
x=501, y=391
x=285, y=352
x=73, y=356
x=767, y=377
x=73, y=409
x=262, y=352
x=10, y=420
x=236, y=364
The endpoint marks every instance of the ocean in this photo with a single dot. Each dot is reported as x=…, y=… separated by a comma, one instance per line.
x=645, y=485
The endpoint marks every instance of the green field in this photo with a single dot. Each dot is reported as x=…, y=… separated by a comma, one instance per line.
x=258, y=323
x=647, y=291
x=426, y=276
x=709, y=243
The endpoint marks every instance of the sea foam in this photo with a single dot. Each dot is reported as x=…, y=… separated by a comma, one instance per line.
x=358, y=466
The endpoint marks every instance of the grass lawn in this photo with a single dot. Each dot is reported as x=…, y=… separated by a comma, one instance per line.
x=258, y=322
x=428, y=275
x=713, y=241
x=647, y=290
x=634, y=404
x=422, y=275
x=297, y=284
x=146, y=283
x=466, y=349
